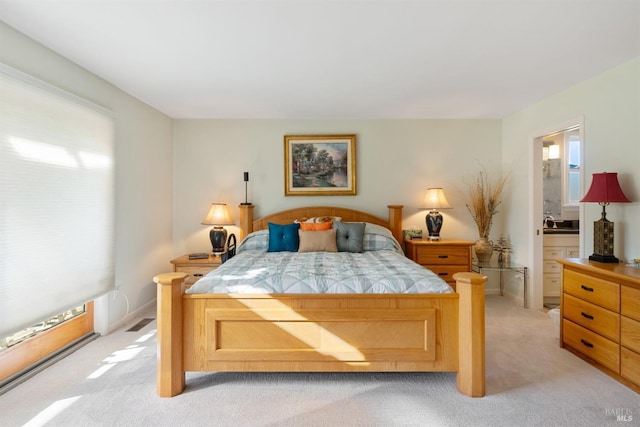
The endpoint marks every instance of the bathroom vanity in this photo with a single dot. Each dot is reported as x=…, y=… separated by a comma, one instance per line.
x=559, y=242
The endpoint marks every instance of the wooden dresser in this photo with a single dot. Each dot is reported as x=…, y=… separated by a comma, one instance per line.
x=600, y=311
x=443, y=257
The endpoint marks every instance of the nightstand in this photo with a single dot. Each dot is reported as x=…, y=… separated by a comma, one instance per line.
x=195, y=268
x=443, y=257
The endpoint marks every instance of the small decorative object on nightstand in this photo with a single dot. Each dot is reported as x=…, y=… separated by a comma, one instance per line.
x=196, y=268
x=435, y=200
x=218, y=215
x=604, y=189
x=443, y=257
x=413, y=234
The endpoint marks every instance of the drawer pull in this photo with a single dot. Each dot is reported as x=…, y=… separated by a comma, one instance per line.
x=443, y=274
x=588, y=316
x=586, y=288
x=587, y=343
x=443, y=256
x=198, y=275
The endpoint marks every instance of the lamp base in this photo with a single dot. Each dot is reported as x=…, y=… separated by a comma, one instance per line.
x=434, y=224
x=603, y=240
x=218, y=237
x=604, y=258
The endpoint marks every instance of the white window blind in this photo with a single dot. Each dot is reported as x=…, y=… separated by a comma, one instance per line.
x=56, y=201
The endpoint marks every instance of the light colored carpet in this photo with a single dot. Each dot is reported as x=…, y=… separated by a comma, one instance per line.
x=530, y=382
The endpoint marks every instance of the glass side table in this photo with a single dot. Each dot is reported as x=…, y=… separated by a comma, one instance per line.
x=494, y=265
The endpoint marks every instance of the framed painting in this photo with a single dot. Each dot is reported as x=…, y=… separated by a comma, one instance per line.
x=319, y=165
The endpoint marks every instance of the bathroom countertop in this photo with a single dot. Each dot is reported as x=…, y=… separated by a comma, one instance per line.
x=561, y=231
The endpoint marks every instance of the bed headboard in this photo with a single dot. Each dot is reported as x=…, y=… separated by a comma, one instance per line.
x=248, y=224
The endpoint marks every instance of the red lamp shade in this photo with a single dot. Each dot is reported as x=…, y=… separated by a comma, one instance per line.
x=605, y=189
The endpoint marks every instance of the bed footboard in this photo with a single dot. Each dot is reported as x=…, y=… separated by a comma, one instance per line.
x=421, y=333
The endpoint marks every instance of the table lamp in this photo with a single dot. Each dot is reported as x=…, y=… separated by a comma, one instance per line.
x=218, y=216
x=433, y=201
x=604, y=189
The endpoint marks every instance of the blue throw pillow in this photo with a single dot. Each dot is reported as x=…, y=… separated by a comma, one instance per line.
x=349, y=236
x=283, y=237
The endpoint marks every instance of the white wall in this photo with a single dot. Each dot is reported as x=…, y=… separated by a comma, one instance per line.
x=610, y=106
x=144, y=154
x=397, y=160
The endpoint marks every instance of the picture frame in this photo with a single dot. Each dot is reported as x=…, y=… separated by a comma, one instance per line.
x=319, y=165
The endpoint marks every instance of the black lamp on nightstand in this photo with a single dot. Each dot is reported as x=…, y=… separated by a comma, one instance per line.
x=433, y=201
x=218, y=216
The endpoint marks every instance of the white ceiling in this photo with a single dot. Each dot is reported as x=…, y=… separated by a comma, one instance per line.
x=320, y=59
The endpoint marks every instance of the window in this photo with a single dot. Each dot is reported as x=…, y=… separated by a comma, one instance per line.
x=40, y=327
x=572, y=168
x=56, y=201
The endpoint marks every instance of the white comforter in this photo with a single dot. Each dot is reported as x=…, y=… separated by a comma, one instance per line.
x=382, y=269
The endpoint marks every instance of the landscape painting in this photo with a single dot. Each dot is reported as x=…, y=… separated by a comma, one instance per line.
x=322, y=165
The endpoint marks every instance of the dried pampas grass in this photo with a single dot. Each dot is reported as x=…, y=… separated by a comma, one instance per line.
x=484, y=199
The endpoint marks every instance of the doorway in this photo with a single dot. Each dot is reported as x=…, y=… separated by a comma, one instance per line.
x=557, y=185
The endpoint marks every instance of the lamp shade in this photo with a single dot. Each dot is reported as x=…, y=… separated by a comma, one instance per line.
x=605, y=189
x=218, y=214
x=435, y=199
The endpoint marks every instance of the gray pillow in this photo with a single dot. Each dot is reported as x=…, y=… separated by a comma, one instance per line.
x=349, y=236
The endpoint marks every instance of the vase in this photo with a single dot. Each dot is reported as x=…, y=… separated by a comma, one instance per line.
x=484, y=249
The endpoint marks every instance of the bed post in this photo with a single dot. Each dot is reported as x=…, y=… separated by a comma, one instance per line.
x=170, y=371
x=395, y=222
x=471, y=349
x=246, y=220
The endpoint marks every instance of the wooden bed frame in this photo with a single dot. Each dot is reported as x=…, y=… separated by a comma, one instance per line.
x=321, y=332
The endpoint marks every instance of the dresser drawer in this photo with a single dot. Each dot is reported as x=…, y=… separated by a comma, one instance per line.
x=630, y=302
x=591, y=316
x=194, y=273
x=443, y=255
x=597, y=291
x=630, y=365
x=630, y=333
x=591, y=345
x=446, y=272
